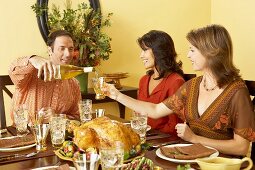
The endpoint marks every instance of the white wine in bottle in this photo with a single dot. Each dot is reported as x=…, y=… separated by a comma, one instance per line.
x=70, y=71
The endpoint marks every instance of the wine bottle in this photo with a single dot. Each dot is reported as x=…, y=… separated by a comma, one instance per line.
x=69, y=71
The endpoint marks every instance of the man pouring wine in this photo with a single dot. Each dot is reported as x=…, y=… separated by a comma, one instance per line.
x=37, y=82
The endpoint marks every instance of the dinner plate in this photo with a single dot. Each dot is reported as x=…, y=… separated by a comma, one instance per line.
x=17, y=148
x=159, y=154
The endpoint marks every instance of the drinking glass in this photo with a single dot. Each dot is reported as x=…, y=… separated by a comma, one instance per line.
x=139, y=124
x=99, y=112
x=41, y=132
x=57, y=129
x=85, y=162
x=85, y=109
x=98, y=84
x=21, y=119
x=112, y=157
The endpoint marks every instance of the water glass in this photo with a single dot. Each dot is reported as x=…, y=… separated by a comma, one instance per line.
x=99, y=112
x=112, y=157
x=85, y=109
x=57, y=129
x=84, y=162
x=139, y=125
x=98, y=84
x=41, y=132
x=21, y=119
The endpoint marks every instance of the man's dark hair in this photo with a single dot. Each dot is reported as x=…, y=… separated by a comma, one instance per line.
x=52, y=37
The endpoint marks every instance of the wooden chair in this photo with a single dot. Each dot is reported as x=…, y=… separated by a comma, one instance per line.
x=4, y=81
x=188, y=76
x=251, y=87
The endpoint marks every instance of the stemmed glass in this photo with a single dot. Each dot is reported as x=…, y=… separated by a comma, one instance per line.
x=139, y=124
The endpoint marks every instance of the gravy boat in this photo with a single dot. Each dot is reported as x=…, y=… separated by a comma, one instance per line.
x=220, y=163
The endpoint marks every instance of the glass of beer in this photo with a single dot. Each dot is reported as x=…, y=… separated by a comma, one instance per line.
x=98, y=84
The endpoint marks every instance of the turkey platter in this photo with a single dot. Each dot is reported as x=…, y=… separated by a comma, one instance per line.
x=103, y=132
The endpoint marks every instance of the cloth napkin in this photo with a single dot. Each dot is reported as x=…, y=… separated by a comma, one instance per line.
x=17, y=141
x=187, y=152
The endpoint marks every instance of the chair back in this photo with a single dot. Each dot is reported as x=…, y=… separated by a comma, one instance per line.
x=251, y=87
x=4, y=81
x=188, y=76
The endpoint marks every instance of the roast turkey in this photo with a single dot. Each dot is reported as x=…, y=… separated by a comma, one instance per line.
x=103, y=131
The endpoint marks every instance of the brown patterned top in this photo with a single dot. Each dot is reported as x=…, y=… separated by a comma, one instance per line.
x=61, y=95
x=232, y=111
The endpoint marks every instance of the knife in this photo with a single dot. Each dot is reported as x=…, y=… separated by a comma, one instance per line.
x=13, y=156
x=9, y=157
x=165, y=143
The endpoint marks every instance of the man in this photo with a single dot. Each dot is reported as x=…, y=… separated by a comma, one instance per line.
x=35, y=86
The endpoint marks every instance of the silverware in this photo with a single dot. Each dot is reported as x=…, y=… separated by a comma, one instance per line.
x=13, y=156
x=165, y=143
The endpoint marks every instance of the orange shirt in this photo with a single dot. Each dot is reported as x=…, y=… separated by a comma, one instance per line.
x=61, y=95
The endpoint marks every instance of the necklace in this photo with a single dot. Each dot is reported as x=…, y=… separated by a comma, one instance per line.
x=207, y=89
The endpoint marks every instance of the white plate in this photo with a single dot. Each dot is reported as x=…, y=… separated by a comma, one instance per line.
x=159, y=154
x=148, y=126
x=17, y=148
x=51, y=167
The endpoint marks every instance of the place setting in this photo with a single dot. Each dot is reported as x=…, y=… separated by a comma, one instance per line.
x=27, y=140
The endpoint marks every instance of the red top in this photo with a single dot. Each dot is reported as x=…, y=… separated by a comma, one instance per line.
x=167, y=87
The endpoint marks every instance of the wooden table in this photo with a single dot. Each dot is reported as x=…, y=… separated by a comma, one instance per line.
x=54, y=160
x=129, y=91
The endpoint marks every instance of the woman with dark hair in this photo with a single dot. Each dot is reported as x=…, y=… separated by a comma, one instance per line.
x=216, y=107
x=163, y=78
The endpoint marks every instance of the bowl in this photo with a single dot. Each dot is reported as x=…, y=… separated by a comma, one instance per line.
x=220, y=163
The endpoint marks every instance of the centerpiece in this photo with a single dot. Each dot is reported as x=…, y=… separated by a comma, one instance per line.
x=85, y=24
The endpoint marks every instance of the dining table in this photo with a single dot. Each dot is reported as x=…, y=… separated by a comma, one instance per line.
x=48, y=157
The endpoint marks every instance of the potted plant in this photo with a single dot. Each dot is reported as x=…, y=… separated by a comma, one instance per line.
x=85, y=24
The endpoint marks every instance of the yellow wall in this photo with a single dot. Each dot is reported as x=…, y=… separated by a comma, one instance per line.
x=132, y=18
x=238, y=17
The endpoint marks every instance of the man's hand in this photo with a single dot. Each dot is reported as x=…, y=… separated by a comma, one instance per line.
x=46, y=68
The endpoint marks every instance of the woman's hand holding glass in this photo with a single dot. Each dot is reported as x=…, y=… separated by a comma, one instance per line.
x=110, y=91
